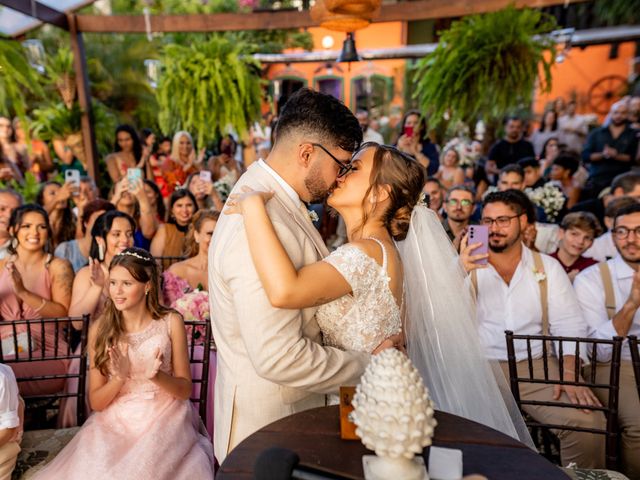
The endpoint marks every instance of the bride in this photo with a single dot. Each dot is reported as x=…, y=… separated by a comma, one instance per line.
x=398, y=272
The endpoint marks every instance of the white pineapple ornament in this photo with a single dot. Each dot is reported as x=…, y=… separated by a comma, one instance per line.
x=394, y=417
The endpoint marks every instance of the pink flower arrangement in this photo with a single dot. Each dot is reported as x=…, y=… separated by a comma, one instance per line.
x=194, y=306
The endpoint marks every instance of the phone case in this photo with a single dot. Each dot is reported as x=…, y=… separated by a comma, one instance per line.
x=479, y=234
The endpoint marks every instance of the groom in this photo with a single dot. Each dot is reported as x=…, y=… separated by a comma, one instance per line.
x=271, y=362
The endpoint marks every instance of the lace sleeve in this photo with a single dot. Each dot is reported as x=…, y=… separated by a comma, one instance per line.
x=352, y=263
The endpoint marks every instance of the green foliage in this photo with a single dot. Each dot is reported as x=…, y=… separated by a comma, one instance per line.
x=485, y=65
x=208, y=86
x=616, y=12
x=59, y=65
x=29, y=188
x=17, y=78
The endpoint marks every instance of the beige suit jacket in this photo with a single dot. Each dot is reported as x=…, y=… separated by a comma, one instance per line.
x=271, y=362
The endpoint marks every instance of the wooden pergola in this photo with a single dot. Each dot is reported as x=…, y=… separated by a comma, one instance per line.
x=77, y=24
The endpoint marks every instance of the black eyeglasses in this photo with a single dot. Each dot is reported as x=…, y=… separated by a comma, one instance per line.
x=623, y=232
x=501, y=222
x=344, y=167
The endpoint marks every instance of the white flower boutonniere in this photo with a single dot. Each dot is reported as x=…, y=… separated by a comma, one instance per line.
x=539, y=275
x=313, y=216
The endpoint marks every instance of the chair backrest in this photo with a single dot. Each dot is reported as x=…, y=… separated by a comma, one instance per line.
x=635, y=358
x=25, y=345
x=199, y=342
x=609, y=408
x=166, y=262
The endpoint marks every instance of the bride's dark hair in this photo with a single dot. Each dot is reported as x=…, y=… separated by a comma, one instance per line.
x=404, y=177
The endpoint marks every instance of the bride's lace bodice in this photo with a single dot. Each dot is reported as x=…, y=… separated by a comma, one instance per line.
x=360, y=321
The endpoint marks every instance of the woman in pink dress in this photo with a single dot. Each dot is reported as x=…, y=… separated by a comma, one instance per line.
x=183, y=278
x=34, y=284
x=144, y=426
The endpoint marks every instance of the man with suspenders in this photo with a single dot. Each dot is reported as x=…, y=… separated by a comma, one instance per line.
x=609, y=295
x=529, y=293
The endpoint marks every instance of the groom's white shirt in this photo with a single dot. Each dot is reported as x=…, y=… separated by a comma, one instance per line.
x=293, y=195
x=271, y=362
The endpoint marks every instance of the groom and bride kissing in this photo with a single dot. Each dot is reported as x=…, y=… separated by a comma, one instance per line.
x=293, y=322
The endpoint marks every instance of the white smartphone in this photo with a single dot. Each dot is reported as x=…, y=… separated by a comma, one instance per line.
x=73, y=177
x=100, y=252
x=205, y=176
x=133, y=175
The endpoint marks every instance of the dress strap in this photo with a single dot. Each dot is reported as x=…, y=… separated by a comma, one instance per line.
x=384, y=253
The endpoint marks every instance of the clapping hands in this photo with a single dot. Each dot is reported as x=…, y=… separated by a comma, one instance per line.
x=119, y=361
x=15, y=278
x=153, y=366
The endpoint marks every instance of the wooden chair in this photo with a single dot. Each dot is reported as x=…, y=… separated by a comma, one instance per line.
x=166, y=262
x=610, y=407
x=35, y=352
x=635, y=358
x=199, y=342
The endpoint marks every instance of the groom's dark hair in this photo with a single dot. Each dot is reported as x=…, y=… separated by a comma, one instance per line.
x=320, y=116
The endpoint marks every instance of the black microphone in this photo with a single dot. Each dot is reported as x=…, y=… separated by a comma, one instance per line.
x=281, y=464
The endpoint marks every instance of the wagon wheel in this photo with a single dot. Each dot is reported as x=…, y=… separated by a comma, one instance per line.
x=605, y=92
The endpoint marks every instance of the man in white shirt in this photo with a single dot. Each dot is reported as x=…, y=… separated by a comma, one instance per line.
x=11, y=415
x=509, y=297
x=368, y=133
x=9, y=201
x=574, y=128
x=621, y=318
x=604, y=247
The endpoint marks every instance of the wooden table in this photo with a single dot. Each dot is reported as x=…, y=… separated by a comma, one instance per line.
x=315, y=436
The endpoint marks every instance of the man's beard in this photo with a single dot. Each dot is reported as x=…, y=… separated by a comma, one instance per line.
x=631, y=259
x=316, y=186
x=505, y=246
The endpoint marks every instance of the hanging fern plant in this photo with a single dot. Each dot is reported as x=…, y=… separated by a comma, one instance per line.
x=16, y=78
x=208, y=86
x=485, y=65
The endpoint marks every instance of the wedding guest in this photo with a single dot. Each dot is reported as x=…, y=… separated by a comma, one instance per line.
x=11, y=421
x=550, y=151
x=127, y=153
x=532, y=172
x=87, y=192
x=148, y=141
x=156, y=202
x=562, y=171
x=511, y=177
x=35, y=151
x=577, y=232
x=9, y=171
x=509, y=297
x=609, y=151
x=574, y=127
x=183, y=157
x=604, y=247
x=368, y=133
x=618, y=315
x=8, y=147
x=76, y=251
x=35, y=284
x=9, y=201
x=132, y=199
x=512, y=147
x=205, y=192
x=450, y=173
x=458, y=205
x=414, y=140
x=56, y=200
x=224, y=166
x=548, y=129
x=111, y=233
x=169, y=241
x=144, y=425
x=435, y=193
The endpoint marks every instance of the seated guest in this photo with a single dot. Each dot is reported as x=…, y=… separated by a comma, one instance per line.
x=56, y=200
x=34, y=284
x=509, y=297
x=170, y=239
x=511, y=177
x=144, y=425
x=224, y=166
x=512, y=147
x=532, y=172
x=205, y=192
x=603, y=247
x=134, y=201
x=459, y=207
x=11, y=421
x=618, y=315
x=156, y=202
x=576, y=235
x=88, y=192
x=450, y=173
x=414, y=140
x=548, y=129
x=77, y=250
x=433, y=189
x=562, y=171
x=9, y=201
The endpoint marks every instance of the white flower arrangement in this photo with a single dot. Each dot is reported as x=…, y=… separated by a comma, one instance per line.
x=313, y=216
x=223, y=188
x=548, y=197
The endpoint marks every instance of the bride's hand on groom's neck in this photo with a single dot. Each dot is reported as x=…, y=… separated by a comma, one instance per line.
x=238, y=202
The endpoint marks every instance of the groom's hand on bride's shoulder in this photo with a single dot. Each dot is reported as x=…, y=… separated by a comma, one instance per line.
x=395, y=341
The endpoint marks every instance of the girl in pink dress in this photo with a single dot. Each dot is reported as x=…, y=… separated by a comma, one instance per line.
x=144, y=426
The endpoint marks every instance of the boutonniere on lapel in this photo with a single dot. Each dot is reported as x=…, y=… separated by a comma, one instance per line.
x=313, y=216
x=539, y=275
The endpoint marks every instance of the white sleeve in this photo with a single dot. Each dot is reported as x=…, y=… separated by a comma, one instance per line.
x=8, y=399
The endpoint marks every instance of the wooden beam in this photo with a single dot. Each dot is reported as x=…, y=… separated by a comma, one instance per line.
x=42, y=12
x=84, y=97
x=401, y=11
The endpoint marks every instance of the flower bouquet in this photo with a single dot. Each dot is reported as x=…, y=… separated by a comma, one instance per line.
x=548, y=197
x=223, y=188
x=194, y=306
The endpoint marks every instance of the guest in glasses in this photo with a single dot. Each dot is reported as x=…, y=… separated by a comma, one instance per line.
x=459, y=207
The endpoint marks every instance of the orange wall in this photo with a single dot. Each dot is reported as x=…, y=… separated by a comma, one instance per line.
x=580, y=70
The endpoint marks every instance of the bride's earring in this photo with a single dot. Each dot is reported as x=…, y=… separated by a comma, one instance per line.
x=14, y=242
x=372, y=199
